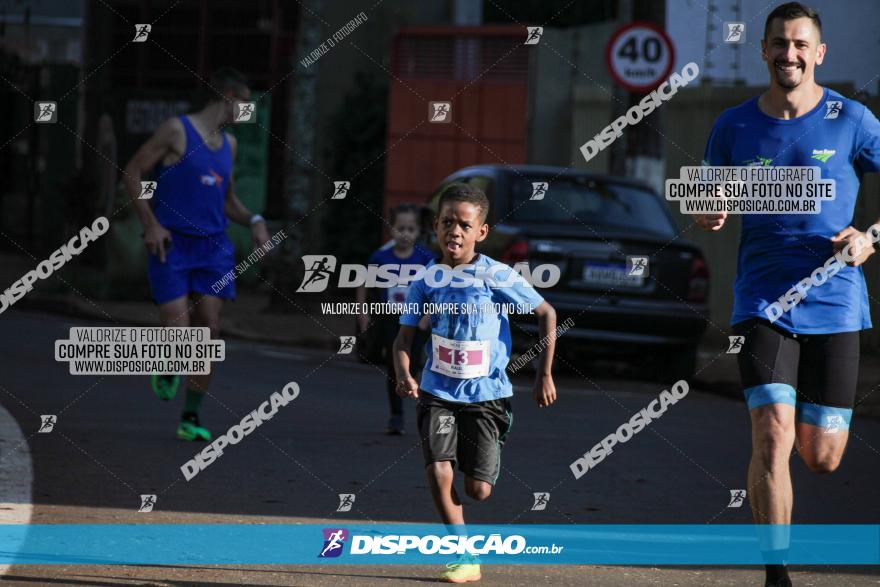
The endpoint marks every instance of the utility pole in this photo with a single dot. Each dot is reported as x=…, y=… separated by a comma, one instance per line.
x=641, y=154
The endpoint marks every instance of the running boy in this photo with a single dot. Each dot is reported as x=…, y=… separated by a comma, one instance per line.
x=405, y=230
x=463, y=400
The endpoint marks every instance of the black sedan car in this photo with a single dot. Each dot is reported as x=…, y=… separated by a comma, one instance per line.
x=630, y=283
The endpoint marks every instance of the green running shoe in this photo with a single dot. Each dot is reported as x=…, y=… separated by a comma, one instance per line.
x=465, y=570
x=189, y=429
x=164, y=386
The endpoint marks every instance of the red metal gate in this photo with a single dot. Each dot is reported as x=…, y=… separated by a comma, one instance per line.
x=483, y=71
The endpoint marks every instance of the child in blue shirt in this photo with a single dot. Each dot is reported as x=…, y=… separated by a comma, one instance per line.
x=463, y=398
x=405, y=229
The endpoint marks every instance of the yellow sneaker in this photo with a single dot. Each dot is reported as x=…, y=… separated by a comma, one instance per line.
x=464, y=570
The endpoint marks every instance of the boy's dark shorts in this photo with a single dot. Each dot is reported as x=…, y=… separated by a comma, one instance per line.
x=473, y=437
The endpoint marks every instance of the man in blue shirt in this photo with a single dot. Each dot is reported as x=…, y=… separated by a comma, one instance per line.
x=464, y=411
x=798, y=364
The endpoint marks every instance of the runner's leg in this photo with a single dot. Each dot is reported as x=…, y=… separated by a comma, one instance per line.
x=174, y=313
x=171, y=313
x=440, y=480
x=205, y=313
x=439, y=440
x=769, y=479
x=768, y=365
x=477, y=489
x=828, y=375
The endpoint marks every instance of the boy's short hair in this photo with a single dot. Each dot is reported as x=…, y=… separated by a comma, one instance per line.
x=462, y=192
x=791, y=11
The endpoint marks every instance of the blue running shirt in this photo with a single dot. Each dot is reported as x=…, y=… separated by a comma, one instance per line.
x=419, y=256
x=776, y=251
x=190, y=193
x=469, y=351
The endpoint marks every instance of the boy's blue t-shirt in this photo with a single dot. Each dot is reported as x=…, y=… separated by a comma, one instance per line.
x=469, y=351
x=386, y=256
x=776, y=251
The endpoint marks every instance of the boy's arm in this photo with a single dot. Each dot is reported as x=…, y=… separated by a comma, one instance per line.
x=544, y=390
x=405, y=384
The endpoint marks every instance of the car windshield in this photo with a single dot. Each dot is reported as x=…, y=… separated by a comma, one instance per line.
x=595, y=204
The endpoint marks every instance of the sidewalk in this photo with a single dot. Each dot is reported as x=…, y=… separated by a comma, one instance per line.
x=247, y=319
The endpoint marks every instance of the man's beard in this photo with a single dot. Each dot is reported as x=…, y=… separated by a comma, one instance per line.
x=788, y=82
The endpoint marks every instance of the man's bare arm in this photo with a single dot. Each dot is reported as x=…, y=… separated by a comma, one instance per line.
x=145, y=159
x=236, y=211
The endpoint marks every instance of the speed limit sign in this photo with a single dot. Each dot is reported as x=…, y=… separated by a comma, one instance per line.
x=640, y=56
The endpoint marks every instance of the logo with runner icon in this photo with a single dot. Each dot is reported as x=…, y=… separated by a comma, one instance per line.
x=834, y=423
x=446, y=424
x=340, y=190
x=334, y=540
x=148, y=502
x=47, y=423
x=637, y=266
x=539, y=189
x=735, y=344
x=141, y=32
x=541, y=500
x=346, y=345
x=737, y=498
x=533, y=35
x=833, y=108
x=346, y=501
x=319, y=268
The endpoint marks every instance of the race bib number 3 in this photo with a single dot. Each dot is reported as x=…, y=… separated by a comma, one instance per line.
x=462, y=359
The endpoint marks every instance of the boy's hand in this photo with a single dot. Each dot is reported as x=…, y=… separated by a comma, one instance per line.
x=407, y=387
x=544, y=391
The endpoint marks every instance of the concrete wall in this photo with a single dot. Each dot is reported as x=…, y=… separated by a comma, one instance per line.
x=564, y=59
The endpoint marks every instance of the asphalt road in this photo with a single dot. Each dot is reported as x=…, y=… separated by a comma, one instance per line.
x=114, y=441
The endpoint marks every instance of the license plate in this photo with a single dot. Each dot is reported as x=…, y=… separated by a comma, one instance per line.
x=610, y=275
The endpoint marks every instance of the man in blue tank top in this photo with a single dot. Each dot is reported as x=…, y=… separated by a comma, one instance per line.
x=190, y=158
x=799, y=360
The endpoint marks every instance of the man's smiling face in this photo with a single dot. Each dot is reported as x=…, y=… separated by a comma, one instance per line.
x=792, y=49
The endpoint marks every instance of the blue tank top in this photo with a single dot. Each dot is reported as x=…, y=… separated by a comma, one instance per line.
x=190, y=193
